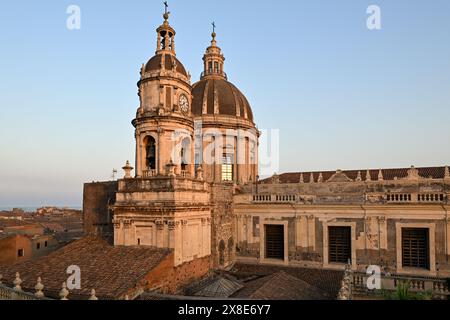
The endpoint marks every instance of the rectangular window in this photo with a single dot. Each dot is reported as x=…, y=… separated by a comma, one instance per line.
x=274, y=241
x=45, y=244
x=227, y=167
x=20, y=253
x=415, y=248
x=216, y=67
x=339, y=244
x=38, y=245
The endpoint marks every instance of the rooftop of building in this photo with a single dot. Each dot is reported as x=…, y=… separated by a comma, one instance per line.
x=363, y=175
x=111, y=270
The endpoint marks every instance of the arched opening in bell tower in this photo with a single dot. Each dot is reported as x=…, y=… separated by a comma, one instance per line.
x=150, y=153
x=185, y=154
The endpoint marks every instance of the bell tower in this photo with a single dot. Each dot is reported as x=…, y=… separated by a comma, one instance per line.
x=167, y=204
x=164, y=122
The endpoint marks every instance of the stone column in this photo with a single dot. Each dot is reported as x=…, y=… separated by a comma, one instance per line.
x=248, y=219
x=382, y=227
x=298, y=231
x=447, y=220
x=160, y=234
x=178, y=242
x=138, y=155
x=312, y=232
x=172, y=226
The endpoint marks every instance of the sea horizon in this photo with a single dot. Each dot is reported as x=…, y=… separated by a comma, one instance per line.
x=34, y=208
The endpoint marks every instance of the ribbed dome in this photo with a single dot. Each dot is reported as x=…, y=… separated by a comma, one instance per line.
x=230, y=101
x=154, y=64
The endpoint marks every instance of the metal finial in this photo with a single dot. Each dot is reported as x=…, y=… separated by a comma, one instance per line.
x=166, y=6
x=214, y=26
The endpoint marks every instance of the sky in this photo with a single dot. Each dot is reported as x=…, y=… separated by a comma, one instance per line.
x=342, y=96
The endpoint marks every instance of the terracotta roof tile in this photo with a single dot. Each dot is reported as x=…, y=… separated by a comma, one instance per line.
x=110, y=270
x=388, y=174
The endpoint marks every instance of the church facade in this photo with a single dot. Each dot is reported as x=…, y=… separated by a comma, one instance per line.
x=195, y=188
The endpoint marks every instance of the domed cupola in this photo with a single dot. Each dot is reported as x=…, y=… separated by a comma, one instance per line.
x=214, y=94
x=165, y=61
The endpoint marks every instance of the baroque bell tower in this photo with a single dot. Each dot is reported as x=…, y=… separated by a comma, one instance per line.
x=166, y=204
x=164, y=122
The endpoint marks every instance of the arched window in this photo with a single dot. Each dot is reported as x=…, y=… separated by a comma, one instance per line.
x=150, y=153
x=185, y=153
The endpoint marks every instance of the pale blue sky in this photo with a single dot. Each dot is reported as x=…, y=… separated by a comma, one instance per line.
x=342, y=96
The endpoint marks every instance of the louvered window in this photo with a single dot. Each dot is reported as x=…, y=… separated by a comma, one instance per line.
x=415, y=248
x=274, y=241
x=339, y=244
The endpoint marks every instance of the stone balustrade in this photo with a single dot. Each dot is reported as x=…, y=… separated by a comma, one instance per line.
x=17, y=293
x=161, y=184
x=148, y=173
x=439, y=287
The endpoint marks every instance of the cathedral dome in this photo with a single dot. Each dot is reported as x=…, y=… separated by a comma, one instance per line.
x=165, y=61
x=215, y=95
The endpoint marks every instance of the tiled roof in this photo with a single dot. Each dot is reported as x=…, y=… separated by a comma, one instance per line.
x=388, y=174
x=228, y=97
x=6, y=223
x=329, y=281
x=280, y=286
x=110, y=270
x=154, y=64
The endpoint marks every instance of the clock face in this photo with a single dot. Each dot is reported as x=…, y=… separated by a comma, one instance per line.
x=183, y=103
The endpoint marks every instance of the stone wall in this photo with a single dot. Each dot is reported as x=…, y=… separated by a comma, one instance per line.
x=9, y=247
x=97, y=215
x=223, y=226
x=167, y=279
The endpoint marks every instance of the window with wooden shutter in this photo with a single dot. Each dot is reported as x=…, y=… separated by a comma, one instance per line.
x=339, y=244
x=274, y=241
x=415, y=248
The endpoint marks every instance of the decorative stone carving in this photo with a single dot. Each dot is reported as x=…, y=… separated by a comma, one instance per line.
x=302, y=180
x=339, y=176
x=200, y=173
x=380, y=175
x=173, y=225
x=311, y=178
x=116, y=223
x=413, y=174
x=373, y=198
x=64, y=293
x=39, y=287
x=320, y=179
x=159, y=224
x=447, y=173
x=368, y=177
x=359, y=176
x=170, y=168
x=127, y=168
x=17, y=282
x=93, y=297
